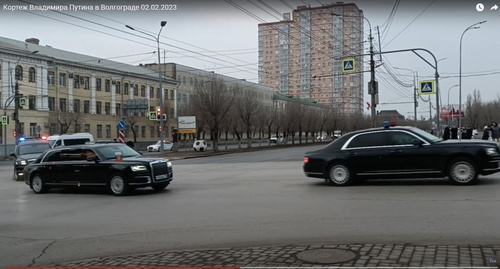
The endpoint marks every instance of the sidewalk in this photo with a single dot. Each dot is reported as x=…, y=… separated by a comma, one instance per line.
x=321, y=255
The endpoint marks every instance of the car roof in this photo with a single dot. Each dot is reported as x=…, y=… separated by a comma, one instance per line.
x=30, y=142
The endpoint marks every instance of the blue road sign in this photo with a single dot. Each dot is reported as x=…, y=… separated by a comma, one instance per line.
x=121, y=125
x=427, y=87
x=348, y=65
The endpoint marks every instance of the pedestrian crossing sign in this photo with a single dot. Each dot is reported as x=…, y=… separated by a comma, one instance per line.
x=427, y=87
x=153, y=115
x=348, y=65
x=5, y=120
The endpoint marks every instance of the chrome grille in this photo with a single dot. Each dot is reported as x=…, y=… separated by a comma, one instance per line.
x=160, y=171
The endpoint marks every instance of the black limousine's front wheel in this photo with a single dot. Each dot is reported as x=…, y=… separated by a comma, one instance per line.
x=38, y=184
x=462, y=171
x=339, y=175
x=118, y=185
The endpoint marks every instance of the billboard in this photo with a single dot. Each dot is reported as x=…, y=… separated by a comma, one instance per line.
x=187, y=125
x=452, y=112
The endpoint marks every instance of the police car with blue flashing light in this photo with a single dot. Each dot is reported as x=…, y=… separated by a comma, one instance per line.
x=401, y=152
x=27, y=151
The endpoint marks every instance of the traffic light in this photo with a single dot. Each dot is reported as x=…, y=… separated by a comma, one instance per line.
x=14, y=133
x=158, y=112
x=159, y=128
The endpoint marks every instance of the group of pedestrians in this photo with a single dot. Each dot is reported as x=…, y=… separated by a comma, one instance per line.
x=490, y=132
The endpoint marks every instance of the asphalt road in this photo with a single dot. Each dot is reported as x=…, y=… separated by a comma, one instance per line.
x=258, y=198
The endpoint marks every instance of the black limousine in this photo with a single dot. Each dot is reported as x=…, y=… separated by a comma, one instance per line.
x=401, y=152
x=115, y=166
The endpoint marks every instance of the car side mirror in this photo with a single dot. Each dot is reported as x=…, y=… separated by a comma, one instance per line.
x=93, y=159
x=418, y=142
x=12, y=154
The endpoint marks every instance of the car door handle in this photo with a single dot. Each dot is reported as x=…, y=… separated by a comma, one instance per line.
x=396, y=151
x=351, y=153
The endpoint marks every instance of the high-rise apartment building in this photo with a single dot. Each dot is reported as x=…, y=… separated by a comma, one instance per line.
x=302, y=55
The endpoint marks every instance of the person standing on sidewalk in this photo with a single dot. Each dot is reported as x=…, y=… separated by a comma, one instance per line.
x=495, y=131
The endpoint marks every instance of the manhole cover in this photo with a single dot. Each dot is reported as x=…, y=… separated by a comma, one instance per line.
x=326, y=255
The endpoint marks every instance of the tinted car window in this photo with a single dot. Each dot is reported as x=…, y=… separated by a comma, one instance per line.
x=76, y=141
x=368, y=140
x=400, y=138
x=109, y=151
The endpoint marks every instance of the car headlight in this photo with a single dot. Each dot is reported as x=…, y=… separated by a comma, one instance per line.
x=21, y=162
x=137, y=168
x=491, y=151
x=169, y=164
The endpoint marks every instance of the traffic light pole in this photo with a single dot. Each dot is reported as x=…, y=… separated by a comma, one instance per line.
x=16, y=110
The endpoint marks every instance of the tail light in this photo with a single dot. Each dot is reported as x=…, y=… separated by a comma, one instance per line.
x=306, y=159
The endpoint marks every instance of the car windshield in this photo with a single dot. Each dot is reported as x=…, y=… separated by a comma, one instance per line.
x=33, y=148
x=109, y=151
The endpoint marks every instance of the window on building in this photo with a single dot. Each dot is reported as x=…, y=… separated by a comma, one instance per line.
x=19, y=72
x=98, y=106
x=143, y=131
x=32, y=102
x=52, y=104
x=125, y=88
x=118, y=87
x=86, y=128
x=86, y=83
x=107, y=108
x=99, y=130
x=78, y=127
x=62, y=104
x=172, y=95
x=152, y=131
x=151, y=92
x=50, y=78
x=158, y=93
x=108, y=131
x=143, y=91
x=52, y=128
x=76, y=81
x=33, y=131
x=76, y=105
x=107, y=85
x=86, y=106
x=98, y=86
x=62, y=79
x=32, y=75
x=136, y=90
x=118, y=110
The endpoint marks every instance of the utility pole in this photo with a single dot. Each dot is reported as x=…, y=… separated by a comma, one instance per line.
x=373, y=87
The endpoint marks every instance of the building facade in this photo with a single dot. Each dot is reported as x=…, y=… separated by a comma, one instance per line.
x=189, y=77
x=65, y=92
x=302, y=55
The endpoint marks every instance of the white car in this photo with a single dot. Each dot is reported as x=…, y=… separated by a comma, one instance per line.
x=167, y=146
x=200, y=145
x=276, y=140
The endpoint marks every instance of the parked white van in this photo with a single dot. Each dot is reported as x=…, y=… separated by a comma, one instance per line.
x=70, y=139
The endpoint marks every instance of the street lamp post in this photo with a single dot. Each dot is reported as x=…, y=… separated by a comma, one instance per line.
x=373, y=89
x=460, y=75
x=456, y=85
x=160, y=96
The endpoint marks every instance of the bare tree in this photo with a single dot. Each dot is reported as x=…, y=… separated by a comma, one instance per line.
x=247, y=107
x=473, y=108
x=132, y=120
x=213, y=100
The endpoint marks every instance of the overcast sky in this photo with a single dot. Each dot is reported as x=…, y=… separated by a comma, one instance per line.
x=221, y=35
